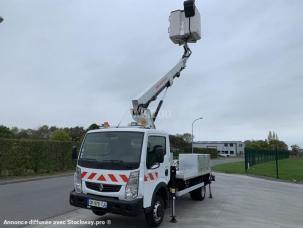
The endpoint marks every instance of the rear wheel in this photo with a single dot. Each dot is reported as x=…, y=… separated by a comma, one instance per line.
x=155, y=217
x=99, y=213
x=198, y=194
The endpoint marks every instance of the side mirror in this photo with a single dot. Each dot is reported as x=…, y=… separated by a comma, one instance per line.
x=74, y=153
x=159, y=154
x=155, y=166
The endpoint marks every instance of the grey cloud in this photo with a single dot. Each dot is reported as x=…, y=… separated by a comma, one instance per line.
x=72, y=63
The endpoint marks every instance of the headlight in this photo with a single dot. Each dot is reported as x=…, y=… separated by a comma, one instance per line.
x=77, y=180
x=131, y=189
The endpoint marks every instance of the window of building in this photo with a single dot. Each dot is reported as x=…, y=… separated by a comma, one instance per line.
x=226, y=152
x=231, y=152
x=225, y=144
x=240, y=145
x=231, y=145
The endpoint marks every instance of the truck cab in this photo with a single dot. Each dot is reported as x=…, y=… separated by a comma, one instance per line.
x=123, y=171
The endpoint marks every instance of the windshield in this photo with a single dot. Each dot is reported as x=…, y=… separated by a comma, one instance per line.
x=111, y=150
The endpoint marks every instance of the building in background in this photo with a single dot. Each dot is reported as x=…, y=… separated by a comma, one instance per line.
x=224, y=148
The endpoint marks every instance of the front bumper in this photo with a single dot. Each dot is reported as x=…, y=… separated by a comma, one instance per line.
x=115, y=206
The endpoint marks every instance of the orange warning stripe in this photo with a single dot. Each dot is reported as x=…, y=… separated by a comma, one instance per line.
x=105, y=177
x=124, y=178
x=91, y=176
x=151, y=176
x=112, y=178
x=101, y=178
x=83, y=174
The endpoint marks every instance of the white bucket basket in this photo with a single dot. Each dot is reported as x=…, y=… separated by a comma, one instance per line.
x=184, y=29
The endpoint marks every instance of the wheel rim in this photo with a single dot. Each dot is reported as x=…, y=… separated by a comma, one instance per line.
x=157, y=212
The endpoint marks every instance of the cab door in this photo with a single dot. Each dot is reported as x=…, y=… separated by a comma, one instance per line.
x=156, y=166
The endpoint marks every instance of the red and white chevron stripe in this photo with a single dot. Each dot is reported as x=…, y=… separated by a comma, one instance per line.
x=151, y=176
x=116, y=178
x=105, y=177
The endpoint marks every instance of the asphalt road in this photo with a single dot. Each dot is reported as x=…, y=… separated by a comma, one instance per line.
x=239, y=201
x=39, y=199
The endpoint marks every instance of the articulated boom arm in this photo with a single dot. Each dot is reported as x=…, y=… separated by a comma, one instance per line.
x=140, y=112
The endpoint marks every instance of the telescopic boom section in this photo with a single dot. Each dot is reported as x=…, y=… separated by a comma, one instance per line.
x=140, y=112
x=185, y=27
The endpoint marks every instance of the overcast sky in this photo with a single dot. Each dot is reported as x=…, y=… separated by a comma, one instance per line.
x=69, y=63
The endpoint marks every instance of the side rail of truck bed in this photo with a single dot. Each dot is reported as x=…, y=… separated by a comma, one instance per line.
x=193, y=165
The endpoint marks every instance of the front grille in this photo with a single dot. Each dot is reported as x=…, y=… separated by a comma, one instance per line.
x=106, y=187
x=106, y=197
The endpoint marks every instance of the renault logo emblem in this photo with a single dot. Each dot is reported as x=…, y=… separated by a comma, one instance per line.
x=101, y=187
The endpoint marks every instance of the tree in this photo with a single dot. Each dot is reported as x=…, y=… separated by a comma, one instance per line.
x=60, y=135
x=5, y=132
x=43, y=132
x=257, y=144
x=187, y=137
x=92, y=127
x=76, y=133
x=269, y=137
x=23, y=134
x=275, y=136
x=52, y=128
x=280, y=145
x=265, y=145
x=15, y=131
x=272, y=136
x=178, y=142
x=295, y=148
x=31, y=133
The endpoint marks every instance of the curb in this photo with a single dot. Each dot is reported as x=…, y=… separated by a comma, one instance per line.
x=265, y=178
x=28, y=179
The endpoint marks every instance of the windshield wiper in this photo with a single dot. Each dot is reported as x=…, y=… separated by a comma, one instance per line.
x=126, y=164
x=88, y=159
x=114, y=161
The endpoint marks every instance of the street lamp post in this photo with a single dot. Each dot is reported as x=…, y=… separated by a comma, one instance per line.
x=192, y=133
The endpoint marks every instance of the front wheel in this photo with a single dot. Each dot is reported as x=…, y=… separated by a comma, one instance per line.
x=198, y=194
x=155, y=217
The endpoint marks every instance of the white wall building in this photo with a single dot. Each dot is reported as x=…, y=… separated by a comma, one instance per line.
x=224, y=148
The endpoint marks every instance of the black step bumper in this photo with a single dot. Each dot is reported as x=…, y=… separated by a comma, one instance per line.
x=115, y=206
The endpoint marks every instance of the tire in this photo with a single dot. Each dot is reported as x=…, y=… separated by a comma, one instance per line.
x=155, y=217
x=198, y=194
x=99, y=213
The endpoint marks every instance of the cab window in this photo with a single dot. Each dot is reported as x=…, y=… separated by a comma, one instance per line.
x=155, y=143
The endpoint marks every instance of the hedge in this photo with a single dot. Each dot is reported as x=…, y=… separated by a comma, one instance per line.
x=29, y=157
x=21, y=157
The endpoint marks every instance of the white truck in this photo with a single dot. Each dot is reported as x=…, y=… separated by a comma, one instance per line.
x=129, y=170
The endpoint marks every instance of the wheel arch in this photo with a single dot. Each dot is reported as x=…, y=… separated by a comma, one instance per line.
x=162, y=190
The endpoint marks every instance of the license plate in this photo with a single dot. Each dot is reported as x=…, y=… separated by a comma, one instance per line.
x=97, y=203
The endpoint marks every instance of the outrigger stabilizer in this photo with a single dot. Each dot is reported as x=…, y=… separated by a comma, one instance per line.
x=173, y=190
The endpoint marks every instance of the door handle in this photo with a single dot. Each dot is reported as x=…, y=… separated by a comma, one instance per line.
x=166, y=172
